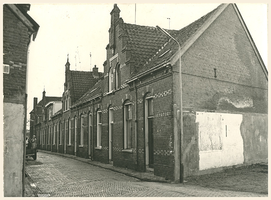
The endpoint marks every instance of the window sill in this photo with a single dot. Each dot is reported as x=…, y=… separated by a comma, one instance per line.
x=69, y=145
x=81, y=146
x=99, y=147
x=111, y=92
x=127, y=150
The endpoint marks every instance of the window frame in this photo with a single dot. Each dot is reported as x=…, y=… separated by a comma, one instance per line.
x=127, y=126
x=69, y=132
x=81, y=143
x=99, y=129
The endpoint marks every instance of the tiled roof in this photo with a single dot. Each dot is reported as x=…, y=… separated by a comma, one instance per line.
x=81, y=82
x=167, y=47
x=47, y=100
x=93, y=92
x=143, y=42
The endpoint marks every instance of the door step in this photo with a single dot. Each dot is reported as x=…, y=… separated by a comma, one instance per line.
x=148, y=169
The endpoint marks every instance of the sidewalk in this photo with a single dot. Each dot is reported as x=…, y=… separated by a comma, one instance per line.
x=143, y=176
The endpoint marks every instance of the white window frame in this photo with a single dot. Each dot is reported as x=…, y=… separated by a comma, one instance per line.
x=127, y=126
x=70, y=132
x=110, y=79
x=60, y=134
x=75, y=134
x=54, y=137
x=99, y=128
x=89, y=131
x=6, y=69
x=82, y=131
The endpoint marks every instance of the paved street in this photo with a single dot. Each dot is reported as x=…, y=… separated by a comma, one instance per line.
x=57, y=176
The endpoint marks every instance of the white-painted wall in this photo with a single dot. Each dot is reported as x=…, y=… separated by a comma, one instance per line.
x=220, y=140
x=57, y=106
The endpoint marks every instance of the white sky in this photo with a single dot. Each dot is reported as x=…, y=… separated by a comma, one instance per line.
x=78, y=29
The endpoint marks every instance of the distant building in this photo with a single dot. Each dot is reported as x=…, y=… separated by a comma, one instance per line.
x=18, y=30
x=173, y=102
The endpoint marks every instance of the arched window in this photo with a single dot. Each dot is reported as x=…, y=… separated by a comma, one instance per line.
x=118, y=76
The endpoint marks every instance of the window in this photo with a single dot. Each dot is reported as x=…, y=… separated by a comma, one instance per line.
x=82, y=131
x=57, y=133
x=6, y=69
x=150, y=107
x=48, y=138
x=118, y=76
x=70, y=132
x=54, y=137
x=110, y=79
x=75, y=130
x=89, y=132
x=99, y=128
x=60, y=134
x=127, y=126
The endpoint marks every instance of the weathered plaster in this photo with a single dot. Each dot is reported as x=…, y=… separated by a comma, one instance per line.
x=220, y=140
x=13, y=149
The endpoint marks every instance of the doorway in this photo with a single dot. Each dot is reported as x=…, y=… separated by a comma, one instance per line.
x=110, y=142
x=149, y=147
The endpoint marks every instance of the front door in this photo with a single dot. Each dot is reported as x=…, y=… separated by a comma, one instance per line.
x=110, y=124
x=150, y=133
x=149, y=144
x=89, y=135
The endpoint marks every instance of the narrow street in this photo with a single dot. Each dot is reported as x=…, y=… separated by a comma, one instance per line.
x=57, y=176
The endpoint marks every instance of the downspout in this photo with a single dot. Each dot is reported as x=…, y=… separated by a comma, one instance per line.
x=92, y=135
x=136, y=126
x=178, y=122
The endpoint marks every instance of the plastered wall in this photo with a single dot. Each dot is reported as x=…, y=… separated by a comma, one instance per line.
x=13, y=149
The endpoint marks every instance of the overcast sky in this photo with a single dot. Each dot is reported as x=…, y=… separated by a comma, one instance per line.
x=81, y=29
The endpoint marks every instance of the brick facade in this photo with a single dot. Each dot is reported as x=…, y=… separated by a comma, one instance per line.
x=18, y=28
x=140, y=88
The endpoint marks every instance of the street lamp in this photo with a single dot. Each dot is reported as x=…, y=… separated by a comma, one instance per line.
x=178, y=136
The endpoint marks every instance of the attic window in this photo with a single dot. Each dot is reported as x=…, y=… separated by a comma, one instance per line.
x=164, y=53
x=6, y=69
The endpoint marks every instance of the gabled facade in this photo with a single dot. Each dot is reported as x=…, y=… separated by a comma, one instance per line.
x=18, y=31
x=174, y=102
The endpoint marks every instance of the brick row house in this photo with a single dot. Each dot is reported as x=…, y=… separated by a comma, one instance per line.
x=209, y=74
x=19, y=29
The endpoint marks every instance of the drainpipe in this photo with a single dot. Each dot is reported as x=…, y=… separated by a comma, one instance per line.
x=92, y=135
x=136, y=126
x=178, y=117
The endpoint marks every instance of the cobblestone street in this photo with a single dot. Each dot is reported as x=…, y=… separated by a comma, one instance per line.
x=57, y=176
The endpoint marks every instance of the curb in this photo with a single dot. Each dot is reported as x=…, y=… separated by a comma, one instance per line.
x=131, y=174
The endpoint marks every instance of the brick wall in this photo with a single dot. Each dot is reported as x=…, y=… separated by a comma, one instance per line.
x=239, y=85
x=15, y=45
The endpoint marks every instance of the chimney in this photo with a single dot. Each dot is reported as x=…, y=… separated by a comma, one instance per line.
x=67, y=65
x=35, y=102
x=95, y=72
x=43, y=94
